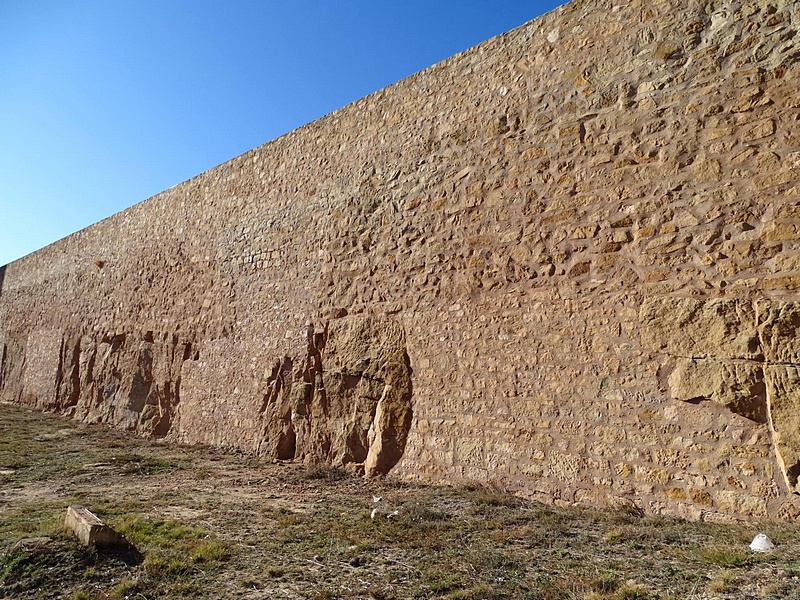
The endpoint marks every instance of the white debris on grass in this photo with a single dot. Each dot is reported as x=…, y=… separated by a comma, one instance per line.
x=382, y=509
x=761, y=543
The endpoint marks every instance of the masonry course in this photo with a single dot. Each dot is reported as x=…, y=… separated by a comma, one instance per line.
x=564, y=262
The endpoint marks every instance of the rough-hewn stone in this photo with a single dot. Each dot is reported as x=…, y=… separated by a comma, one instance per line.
x=367, y=383
x=779, y=325
x=89, y=529
x=783, y=390
x=736, y=385
x=526, y=265
x=700, y=328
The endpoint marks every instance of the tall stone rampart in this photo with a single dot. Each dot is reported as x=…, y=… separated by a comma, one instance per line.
x=565, y=262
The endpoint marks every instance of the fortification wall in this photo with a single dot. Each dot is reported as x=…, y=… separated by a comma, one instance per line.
x=564, y=261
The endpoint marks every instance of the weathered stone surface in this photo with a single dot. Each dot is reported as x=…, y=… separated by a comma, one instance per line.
x=89, y=529
x=700, y=328
x=518, y=243
x=346, y=401
x=737, y=385
x=766, y=388
x=367, y=386
x=783, y=392
x=737, y=503
x=779, y=325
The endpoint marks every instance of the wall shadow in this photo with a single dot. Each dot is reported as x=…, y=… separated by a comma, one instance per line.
x=2, y=275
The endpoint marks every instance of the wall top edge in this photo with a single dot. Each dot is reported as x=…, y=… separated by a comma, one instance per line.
x=529, y=28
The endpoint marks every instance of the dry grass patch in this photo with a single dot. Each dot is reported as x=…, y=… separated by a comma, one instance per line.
x=211, y=524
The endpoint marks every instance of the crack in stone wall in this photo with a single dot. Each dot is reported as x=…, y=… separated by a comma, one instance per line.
x=741, y=354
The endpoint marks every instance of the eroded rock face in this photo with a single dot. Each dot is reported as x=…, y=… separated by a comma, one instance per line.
x=348, y=402
x=779, y=329
x=737, y=385
x=131, y=381
x=368, y=375
x=12, y=355
x=697, y=328
x=740, y=354
x=783, y=392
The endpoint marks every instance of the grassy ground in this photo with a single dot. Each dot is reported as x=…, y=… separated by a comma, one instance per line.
x=209, y=524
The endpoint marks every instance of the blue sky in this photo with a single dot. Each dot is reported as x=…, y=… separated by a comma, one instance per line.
x=106, y=103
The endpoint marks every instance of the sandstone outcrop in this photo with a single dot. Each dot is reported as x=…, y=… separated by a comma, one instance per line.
x=348, y=402
x=127, y=380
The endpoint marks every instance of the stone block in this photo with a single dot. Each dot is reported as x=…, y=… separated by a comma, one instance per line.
x=759, y=130
x=739, y=504
x=707, y=169
x=656, y=275
x=652, y=474
x=739, y=386
x=783, y=394
x=788, y=211
x=785, y=283
x=585, y=232
x=565, y=467
x=580, y=268
x=777, y=232
x=701, y=496
x=624, y=222
x=89, y=529
x=660, y=241
x=774, y=179
x=675, y=493
x=698, y=328
x=619, y=236
x=765, y=489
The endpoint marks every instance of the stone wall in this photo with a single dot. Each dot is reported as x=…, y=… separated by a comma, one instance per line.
x=565, y=262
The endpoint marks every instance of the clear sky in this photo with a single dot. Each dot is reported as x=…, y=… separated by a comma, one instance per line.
x=104, y=103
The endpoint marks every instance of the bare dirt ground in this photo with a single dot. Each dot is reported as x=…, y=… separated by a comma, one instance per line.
x=205, y=523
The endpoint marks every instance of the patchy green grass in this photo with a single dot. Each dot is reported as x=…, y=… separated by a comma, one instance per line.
x=136, y=464
x=33, y=519
x=727, y=556
x=171, y=543
x=210, y=524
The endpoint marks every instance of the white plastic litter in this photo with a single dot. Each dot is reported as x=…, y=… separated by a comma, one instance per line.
x=382, y=509
x=761, y=543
